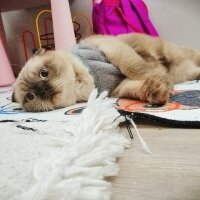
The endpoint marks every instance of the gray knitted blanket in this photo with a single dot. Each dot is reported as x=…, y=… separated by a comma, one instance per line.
x=106, y=75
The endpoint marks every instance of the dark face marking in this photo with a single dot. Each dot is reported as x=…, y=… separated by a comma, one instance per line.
x=42, y=89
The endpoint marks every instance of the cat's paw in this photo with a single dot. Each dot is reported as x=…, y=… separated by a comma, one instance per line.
x=156, y=91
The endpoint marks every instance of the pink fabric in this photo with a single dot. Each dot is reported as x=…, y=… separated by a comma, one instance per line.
x=115, y=17
x=62, y=25
x=6, y=73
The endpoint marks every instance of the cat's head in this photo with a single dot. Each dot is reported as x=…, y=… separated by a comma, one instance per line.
x=46, y=82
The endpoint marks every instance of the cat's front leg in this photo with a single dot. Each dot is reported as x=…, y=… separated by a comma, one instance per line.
x=155, y=90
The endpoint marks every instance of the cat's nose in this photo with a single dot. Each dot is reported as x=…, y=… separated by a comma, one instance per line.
x=43, y=90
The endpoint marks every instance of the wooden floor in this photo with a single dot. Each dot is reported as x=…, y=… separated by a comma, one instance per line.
x=172, y=172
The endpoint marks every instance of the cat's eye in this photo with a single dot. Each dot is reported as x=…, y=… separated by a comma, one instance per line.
x=30, y=96
x=44, y=72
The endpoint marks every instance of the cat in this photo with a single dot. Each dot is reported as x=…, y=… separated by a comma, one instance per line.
x=148, y=67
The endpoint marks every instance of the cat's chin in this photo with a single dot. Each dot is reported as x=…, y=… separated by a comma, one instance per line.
x=38, y=108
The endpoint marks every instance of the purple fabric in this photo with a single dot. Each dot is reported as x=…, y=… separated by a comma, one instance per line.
x=113, y=17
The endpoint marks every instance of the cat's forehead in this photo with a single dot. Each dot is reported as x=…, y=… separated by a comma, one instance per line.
x=36, y=62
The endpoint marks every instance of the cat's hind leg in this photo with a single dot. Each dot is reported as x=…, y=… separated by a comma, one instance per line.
x=191, y=54
x=186, y=70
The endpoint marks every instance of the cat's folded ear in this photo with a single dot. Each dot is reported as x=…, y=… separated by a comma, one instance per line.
x=39, y=52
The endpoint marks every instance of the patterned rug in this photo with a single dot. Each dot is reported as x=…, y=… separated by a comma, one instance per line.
x=181, y=111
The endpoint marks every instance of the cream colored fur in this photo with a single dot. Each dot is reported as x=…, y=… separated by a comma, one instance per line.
x=70, y=80
x=151, y=66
